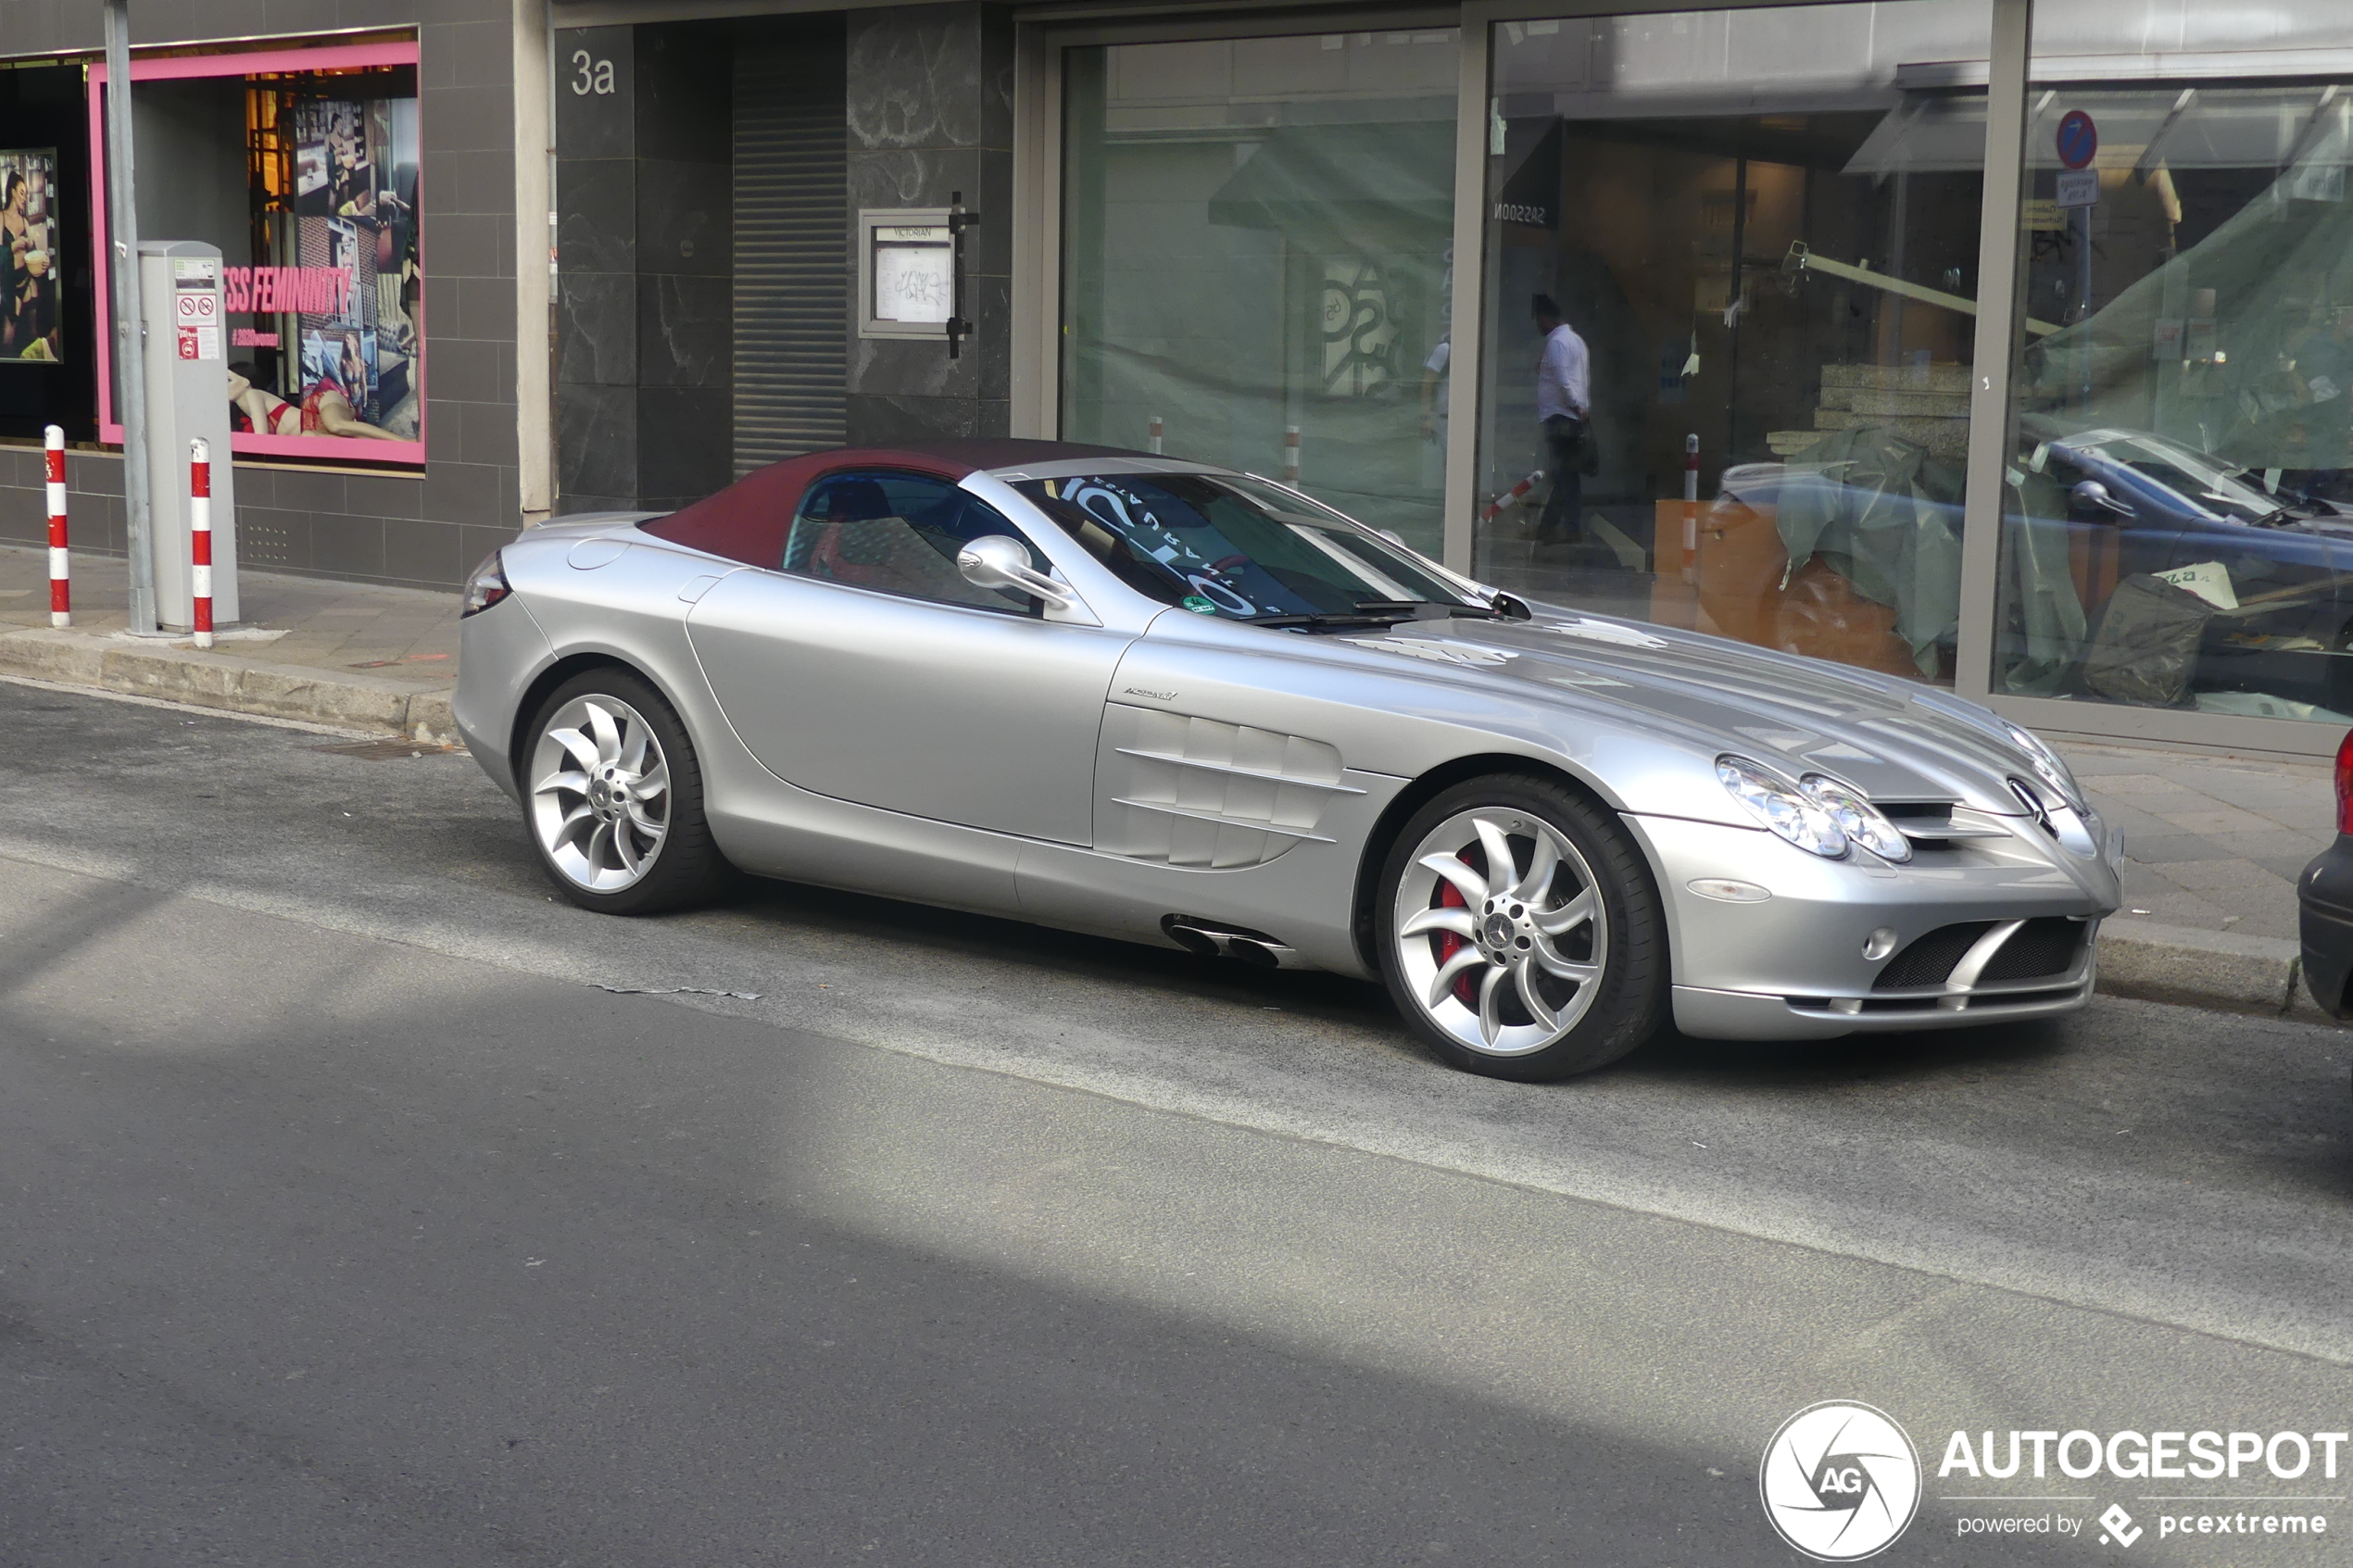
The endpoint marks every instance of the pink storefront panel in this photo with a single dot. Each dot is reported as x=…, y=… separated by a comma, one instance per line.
x=330, y=294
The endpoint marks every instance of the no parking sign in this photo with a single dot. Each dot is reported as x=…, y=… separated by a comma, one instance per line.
x=2079, y=139
x=2078, y=144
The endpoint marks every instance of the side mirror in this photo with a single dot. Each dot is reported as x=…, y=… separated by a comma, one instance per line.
x=998, y=561
x=2091, y=496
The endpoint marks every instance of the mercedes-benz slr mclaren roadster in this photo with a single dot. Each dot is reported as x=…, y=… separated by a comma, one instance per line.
x=1164, y=701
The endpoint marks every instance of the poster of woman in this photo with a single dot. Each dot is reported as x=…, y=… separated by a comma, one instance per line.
x=339, y=388
x=30, y=328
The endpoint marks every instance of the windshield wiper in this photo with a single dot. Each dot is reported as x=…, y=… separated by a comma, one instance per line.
x=1368, y=612
x=1503, y=607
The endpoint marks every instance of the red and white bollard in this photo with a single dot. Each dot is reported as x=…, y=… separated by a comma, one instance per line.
x=1690, y=509
x=1156, y=436
x=1513, y=497
x=200, y=539
x=1290, y=456
x=53, y=443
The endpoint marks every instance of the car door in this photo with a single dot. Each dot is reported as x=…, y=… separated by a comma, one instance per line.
x=867, y=668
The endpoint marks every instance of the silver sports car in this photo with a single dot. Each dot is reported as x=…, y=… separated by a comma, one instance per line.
x=1168, y=702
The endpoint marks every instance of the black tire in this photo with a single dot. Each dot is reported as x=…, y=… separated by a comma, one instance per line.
x=1628, y=992
x=684, y=868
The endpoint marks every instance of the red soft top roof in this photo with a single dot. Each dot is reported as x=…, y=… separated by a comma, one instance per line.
x=748, y=520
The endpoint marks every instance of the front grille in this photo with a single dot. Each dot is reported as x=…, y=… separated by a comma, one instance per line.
x=2047, y=946
x=1929, y=960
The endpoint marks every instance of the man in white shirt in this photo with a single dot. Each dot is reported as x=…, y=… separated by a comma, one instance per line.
x=1435, y=387
x=1564, y=407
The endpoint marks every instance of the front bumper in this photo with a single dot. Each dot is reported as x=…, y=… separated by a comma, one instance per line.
x=1986, y=932
x=499, y=651
x=1743, y=1015
x=2324, y=918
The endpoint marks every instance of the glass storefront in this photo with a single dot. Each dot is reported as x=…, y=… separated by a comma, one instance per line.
x=1749, y=238
x=1726, y=282
x=301, y=165
x=1256, y=261
x=2178, y=525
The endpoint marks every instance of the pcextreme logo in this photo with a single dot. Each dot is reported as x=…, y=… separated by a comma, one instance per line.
x=1841, y=1481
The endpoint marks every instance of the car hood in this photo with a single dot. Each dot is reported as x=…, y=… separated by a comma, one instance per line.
x=1895, y=739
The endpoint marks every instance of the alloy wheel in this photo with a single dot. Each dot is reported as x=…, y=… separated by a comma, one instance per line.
x=1502, y=935
x=600, y=793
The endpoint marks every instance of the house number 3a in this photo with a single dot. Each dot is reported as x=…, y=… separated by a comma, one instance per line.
x=595, y=76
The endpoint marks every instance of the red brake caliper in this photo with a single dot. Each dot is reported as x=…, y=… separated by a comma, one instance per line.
x=1450, y=897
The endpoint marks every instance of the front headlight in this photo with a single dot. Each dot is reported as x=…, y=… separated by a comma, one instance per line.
x=1857, y=818
x=1781, y=807
x=2047, y=765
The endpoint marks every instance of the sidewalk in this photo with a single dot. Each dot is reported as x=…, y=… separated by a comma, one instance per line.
x=2213, y=843
x=2213, y=846
x=348, y=654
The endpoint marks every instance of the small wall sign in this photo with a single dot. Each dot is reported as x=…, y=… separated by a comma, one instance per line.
x=911, y=272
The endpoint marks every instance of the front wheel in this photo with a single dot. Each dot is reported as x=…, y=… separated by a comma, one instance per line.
x=1520, y=932
x=613, y=798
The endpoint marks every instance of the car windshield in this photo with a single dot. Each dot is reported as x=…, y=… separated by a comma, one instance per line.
x=1240, y=547
x=2192, y=476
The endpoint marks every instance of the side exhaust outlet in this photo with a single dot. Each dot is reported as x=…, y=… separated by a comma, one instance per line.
x=1212, y=939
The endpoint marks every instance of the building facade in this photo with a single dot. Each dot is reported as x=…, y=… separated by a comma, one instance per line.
x=361, y=181
x=2005, y=345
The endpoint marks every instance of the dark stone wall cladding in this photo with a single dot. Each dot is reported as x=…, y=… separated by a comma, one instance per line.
x=931, y=113
x=645, y=298
x=596, y=281
x=425, y=533
x=644, y=355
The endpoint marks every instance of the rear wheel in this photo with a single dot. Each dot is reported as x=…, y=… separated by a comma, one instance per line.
x=612, y=795
x=1520, y=932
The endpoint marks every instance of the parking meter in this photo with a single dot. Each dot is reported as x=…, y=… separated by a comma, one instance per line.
x=187, y=399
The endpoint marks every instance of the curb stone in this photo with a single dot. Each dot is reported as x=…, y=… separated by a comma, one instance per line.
x=2209, y=969
x=230, y=682
x=2258, y=976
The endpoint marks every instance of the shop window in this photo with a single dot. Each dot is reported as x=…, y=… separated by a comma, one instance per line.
x=2178, y=527
x=1257, y=264
x=1754, y=233
x=301, y=165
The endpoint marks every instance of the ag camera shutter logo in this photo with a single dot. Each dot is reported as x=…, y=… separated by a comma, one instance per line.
x=1841, y=1481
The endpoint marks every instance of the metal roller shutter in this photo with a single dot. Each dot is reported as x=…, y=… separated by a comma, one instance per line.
x=792, y=246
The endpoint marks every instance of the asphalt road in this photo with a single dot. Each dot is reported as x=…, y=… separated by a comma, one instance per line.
x=344, y=1219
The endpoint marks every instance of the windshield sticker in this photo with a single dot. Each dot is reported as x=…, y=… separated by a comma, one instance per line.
x=1463, y=654
x=1200, y=606
x=1603, y=631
